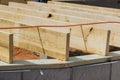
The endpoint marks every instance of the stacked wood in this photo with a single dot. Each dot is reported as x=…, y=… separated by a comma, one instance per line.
x=58, y=42
x=6, y=2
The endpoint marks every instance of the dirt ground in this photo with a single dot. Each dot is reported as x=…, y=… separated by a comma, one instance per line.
x=23, y=54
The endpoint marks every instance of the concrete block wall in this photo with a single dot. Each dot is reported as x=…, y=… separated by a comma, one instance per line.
x=10, y=76
x=115, y=70
x=48, y=74
x=101, y=71
x=92, y=72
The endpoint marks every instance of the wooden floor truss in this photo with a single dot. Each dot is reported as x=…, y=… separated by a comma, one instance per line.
x=93, y=40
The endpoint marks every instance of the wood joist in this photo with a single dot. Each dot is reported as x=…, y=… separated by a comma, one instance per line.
x=57, y=42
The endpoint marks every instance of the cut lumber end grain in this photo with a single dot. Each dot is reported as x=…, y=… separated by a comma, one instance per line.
x=6, y=47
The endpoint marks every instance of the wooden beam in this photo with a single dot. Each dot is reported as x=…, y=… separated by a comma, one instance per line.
x=52, y=43
x=81, y=20
x=54, y=63
x=90, y=36
x=7, y=1
x=111, y=10
x=43, y=14
x=52, y=8
x=43, y=7
x=43, y=40
x=6, y=47
x=76, y=35
x=31, y=20
x=111, y=27
x=85, y=9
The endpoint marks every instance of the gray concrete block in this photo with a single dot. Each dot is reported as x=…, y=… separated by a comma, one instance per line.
x=92, y=72
x=10, y=76
x=48, y=74
x=115, y=70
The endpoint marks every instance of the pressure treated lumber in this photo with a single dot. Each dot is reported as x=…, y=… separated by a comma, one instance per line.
x=87, y=7
x=51, y=8
x=54, y=63
x=6, y=47
x=76, y=38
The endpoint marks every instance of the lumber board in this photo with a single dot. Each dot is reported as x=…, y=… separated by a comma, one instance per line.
x=41, y=41
x=76, y=39
x=82, y=20
x=53, y=63
x=52, y=8
x=7, y=1
x=44, y=7
x=86, y=9
x=80, y=9
x=114, y=39
x=32, y=19
x=90, y=37
x=87, y=6
x=49, y=15
x=89, y=10
x=6, y=47
x=111, y=26
x=51, y=43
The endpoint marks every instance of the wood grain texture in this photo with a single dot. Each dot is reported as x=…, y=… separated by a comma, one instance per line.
x=42, y=38
x=5, y=2
x=77, y=33
x=89, y=10
x=56, y=9
x=6, y=47
x=114, y=39
x=88, y=38
x=51, y=43
x=87, y=7
x=43, y=14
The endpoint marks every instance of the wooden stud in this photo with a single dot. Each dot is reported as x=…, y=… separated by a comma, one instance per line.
x=6, y=47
